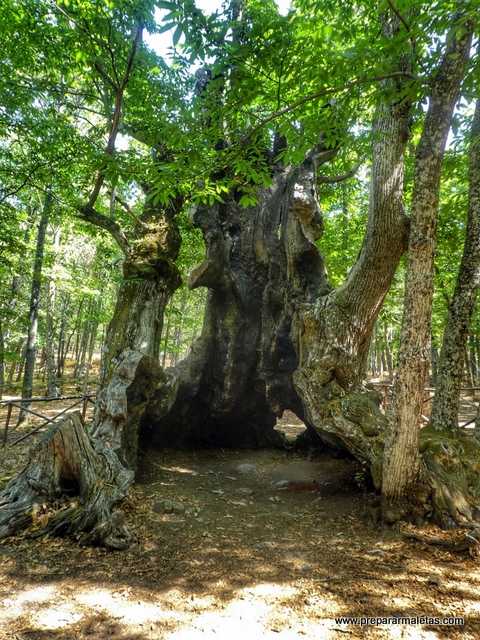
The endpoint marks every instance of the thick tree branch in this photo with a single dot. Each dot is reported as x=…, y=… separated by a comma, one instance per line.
x=133, y=52
x=386, y=234
x=112, y=55
x=98, y=66
x=116, y=198
x=89, y=214
x=338, y=178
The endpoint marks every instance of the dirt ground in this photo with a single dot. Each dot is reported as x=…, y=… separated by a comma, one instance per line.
x=270, y=545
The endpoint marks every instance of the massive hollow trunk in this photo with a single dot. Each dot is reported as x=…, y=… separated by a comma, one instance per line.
x=238, y=376
x=276, y=336
x=271, y=317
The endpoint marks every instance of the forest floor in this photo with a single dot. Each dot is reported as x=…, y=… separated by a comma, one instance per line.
x=257, y=545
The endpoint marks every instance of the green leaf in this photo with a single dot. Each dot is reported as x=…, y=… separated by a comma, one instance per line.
x=177, y=35
x=166, y=27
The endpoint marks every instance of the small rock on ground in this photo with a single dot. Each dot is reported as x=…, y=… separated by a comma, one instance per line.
x=245, y=491
x=168, y=506
x=247, y=468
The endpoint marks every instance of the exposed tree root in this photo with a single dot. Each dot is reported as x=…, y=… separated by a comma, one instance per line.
x=448, y=490
x=468, y=542
x=66, y=461
x=74, y=479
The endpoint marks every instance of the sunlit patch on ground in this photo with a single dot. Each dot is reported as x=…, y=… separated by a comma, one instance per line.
x=124, y=609
x=57, y=617
x=173, y=469
x=25, y=602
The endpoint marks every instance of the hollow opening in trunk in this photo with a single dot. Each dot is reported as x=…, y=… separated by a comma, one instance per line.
x=69, y=485
x=290, y=425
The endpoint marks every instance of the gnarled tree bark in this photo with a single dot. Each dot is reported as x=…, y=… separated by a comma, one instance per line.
x=75, y=479
x=238, y=374
x=276, y=336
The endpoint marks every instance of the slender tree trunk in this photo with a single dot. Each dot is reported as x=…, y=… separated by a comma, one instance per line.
x=90, y=350
x=468, y=366
x=2, y=360
x=50, y=346
x=73, y=333
x=473, y=359
x=476, y=347
x=434, y=359
x=166, y=339
x=31, y=348
x=42, y=364
x=21, y=362
x=177, y=334
x=79, y=371
x=401, y=471
x=447, y=397
x=13, y=367
x=61, y=348
x=176, y=340
x=78, y=344
x=50, y=367
x=388, y=351
x=384, y=360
